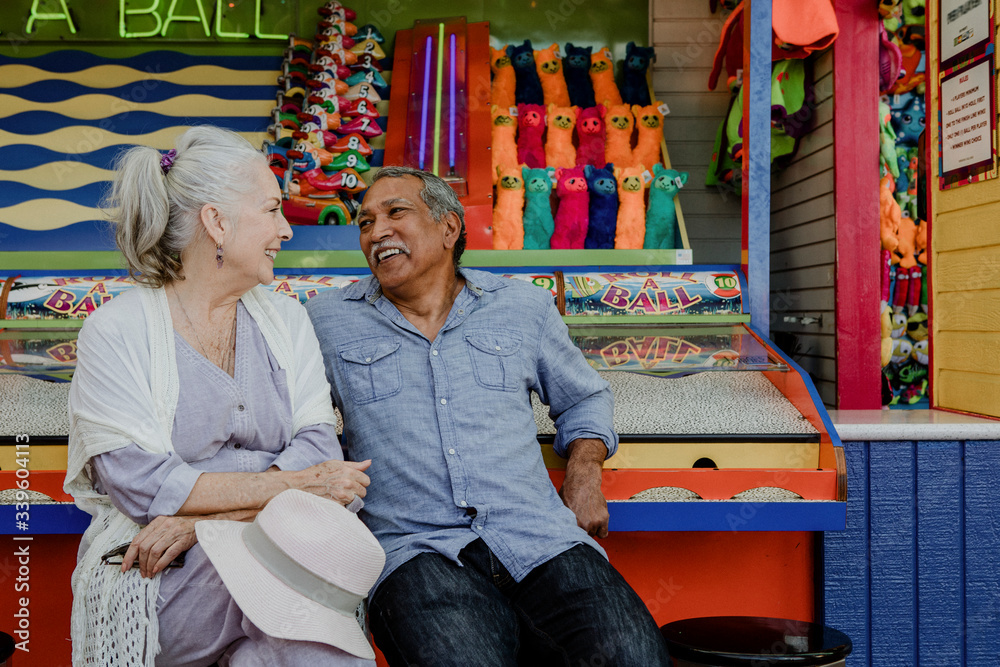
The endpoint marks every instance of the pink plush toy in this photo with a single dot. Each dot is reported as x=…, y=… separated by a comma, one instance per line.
x=618, y=146
x=530, y=127
x=559, y=151
x=590, y=132
x=504, y=140
x=649, y=126
x=571, y=218
x=631, y=228
x=508, y=220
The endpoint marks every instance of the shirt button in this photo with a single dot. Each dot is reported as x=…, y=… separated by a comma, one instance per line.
x=434, y=352
x=451, y=451
x=444, y=401
x=367, y=359
x=463, y=504
x=240, y=407
x=461, y=311
x=237, y=446
x=497, y=348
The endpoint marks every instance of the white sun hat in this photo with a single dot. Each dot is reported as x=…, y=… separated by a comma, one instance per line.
x=299, y=570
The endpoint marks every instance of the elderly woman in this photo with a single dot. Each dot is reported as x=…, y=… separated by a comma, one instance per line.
x=197, y=395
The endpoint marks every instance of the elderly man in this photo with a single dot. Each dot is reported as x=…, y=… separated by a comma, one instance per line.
x=432, y=367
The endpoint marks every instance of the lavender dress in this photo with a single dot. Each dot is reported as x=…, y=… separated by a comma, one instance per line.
x=222, y=424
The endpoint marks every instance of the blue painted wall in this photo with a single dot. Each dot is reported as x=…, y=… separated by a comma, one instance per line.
x=915, y=578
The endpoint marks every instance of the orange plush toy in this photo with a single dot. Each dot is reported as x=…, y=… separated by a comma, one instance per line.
x=548, y=62
x=559, y=150
x=504, y=139
x=602, y=75
x=502, y=91
x=631, y=227
x=618, y=147
x=889, y=214
x=649, y=125
x=508, y=213
x=906, y=252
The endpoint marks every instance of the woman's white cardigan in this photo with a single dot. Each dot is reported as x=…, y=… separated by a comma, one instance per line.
x=125, y=390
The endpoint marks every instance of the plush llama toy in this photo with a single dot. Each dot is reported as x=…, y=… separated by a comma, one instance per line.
x=590, y=133
x=631, y=225
x=635, y=88
x=502, y=90
x=504, y=139
x=527, y=87
x=603, y=209
x=661, y=216
x=576, y=69
x=574, y=202
x=538, y=222
x=508, y=225
x=548, y=63
x=530, y=127
x=649, y=126
x=618, y=146
x=602, y=75
x=559, y=151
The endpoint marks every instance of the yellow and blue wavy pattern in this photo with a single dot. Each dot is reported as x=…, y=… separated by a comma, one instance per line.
x=65, y=115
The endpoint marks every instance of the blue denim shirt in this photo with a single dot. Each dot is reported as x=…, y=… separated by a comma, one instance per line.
x=449, y=425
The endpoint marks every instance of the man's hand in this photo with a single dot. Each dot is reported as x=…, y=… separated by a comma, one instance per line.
x=581, y=491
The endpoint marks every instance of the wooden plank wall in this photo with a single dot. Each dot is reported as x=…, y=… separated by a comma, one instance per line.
x=912, y=580
x=965, y=279
x=803, y=244
x=685, y=34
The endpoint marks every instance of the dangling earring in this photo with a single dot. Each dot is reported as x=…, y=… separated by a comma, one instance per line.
x=218, y=254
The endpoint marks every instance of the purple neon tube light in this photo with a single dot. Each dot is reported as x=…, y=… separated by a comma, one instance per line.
x=451, y=110
x=426, y=101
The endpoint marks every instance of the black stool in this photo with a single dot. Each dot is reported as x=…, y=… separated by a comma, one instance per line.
x=6, y=649
x=752, y=641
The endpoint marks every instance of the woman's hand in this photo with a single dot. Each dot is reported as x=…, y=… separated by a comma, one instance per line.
x=164, y=539
x=336, y=480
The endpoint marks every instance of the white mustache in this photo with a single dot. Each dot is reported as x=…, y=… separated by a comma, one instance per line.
x=382, y=245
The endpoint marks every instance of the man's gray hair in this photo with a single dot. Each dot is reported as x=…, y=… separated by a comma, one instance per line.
x=439, y=197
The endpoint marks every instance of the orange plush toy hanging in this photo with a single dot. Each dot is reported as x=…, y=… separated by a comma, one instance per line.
x=631, y=228
x=559, y=150
x=602, y=75
x=508, y=213
x=504, y=139
x=618, y=147
x=649, y=125
x=502, y=90
x=548, y=62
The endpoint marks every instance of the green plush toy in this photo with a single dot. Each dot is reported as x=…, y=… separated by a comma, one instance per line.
x=887, y=141
x=661, y=215
x=538, y=221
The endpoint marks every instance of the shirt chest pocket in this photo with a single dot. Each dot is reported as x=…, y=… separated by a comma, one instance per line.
x=371, y=368
x=495, y=359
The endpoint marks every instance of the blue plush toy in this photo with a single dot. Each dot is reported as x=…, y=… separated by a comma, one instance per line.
x=527, y=85
x=661, y=216
x=576, y=69
x=635, y=89
x=538, y=221
x=603, y=209
x=909, y=121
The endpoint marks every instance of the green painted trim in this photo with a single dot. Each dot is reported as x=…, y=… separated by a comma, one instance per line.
x=533, y=258
x=39, y=334
x=656, y=319
x=637, y=328
x=41, y=324
x=37, y=260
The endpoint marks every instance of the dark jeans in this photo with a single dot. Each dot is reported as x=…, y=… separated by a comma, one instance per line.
x=574, y=610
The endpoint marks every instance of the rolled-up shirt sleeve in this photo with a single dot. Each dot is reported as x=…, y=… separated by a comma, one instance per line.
x=580, y=401
x=144, y=485
x=310, y=446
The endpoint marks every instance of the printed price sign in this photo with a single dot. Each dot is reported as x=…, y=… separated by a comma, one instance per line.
x=968, y=123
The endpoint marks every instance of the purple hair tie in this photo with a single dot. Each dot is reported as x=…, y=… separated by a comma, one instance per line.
x=167, y=160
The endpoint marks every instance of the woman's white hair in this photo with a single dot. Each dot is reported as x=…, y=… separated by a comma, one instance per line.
x=157, y=214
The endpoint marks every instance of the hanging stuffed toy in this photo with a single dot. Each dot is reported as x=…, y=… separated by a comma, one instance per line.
x=590, y=134
x=887, y=141
x=618, y=145
x=602, y=75
x=576, y=68
x=530, y=127
x=527, y=87
x=889, y=214
x=635, y=88
x=559, y=151
x=548, y=63
x=908, y=121
x=502, y=89
x=538, y=222
x=905, y=255
x=508, y=225
x=661, y=216
x=603, y=209
x=649, y=126
x=504, y=139
x=574, y=201
x=631, y=224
